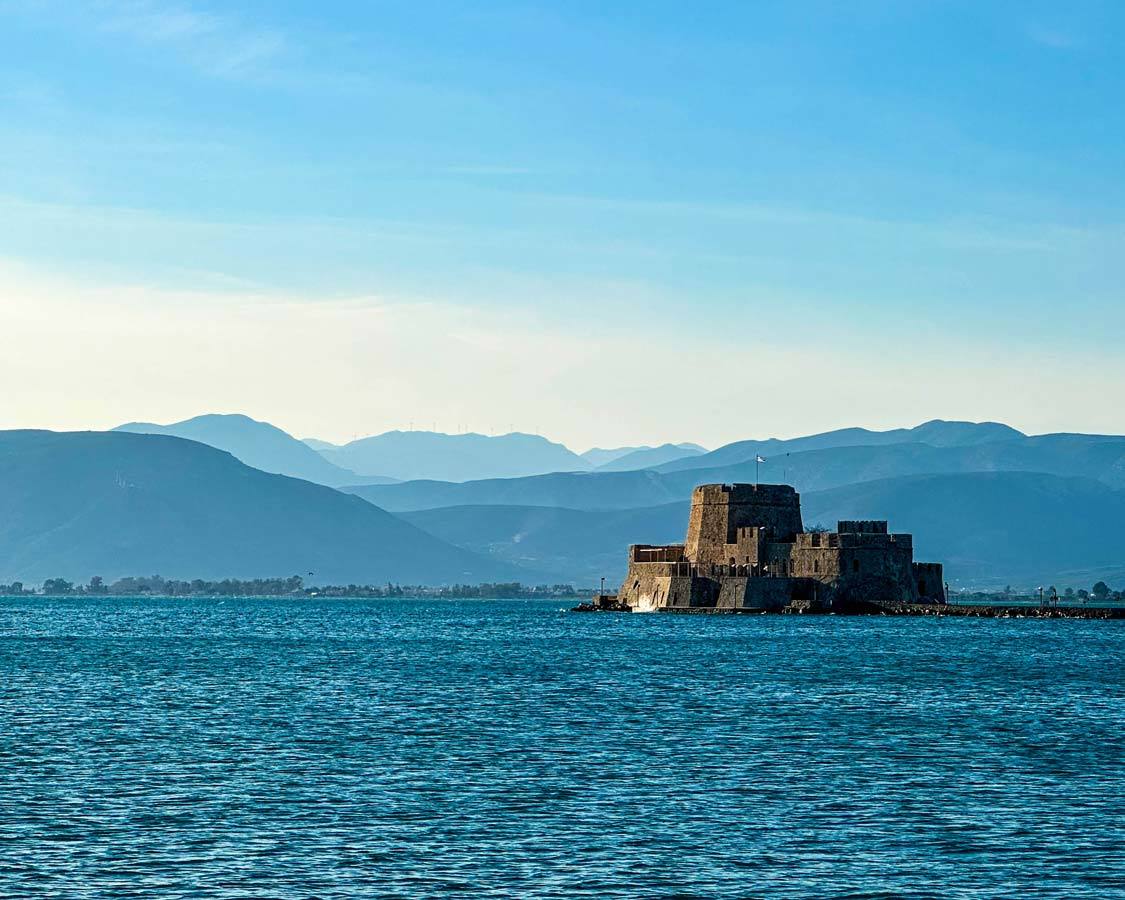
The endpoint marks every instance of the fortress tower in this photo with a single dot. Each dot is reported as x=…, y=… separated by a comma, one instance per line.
x=727, y=518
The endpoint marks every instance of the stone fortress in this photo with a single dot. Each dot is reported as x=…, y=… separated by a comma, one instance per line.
x=747, y=549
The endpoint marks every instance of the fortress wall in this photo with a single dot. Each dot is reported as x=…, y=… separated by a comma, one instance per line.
x=640, y=588
x=653, y=553
x=854, y=539
x=754, y=593
x=821, y=563
x=650, y=586
x=880, y=562
x=929, y=579
x=888, y=542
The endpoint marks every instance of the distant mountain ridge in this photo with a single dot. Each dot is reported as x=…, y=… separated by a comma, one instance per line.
x=990, y=529
x=409, y=455
x=651, y=457
x=1090, y=456
x=996, y=528
x=639, y=457
x=936, y=433
x=258, y=444
x=79, y=504
x=599, y=456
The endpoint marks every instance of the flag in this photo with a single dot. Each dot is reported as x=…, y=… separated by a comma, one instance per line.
x=760, y=459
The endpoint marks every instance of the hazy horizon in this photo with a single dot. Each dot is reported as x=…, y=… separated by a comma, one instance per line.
x=423, y=428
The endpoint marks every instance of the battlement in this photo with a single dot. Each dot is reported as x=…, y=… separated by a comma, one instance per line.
x=831, y=539
x=861, y=526
x=781, y=494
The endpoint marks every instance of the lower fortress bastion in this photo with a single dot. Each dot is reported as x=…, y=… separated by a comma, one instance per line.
x=747, y=550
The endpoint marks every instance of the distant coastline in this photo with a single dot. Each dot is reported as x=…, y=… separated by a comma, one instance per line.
x=294, y=586
x=1068, y=603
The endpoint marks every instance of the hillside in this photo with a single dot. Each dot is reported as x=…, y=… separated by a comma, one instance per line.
x=990, y=529
x=576, y=545
x=74, y=505
x=257, y=444
x=453, y=457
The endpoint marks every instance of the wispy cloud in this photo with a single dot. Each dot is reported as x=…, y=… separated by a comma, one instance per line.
x=216, y=44
x=489, y=170
x=1055, y=38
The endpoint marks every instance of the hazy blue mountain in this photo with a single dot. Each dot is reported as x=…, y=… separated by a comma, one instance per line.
x=1090, y=456
x=74, y=505
x=649, y=457
x=454, y=457
x=936, y=433
x=990, y=529
x=599, y=457
x=257, y=444
x=995, y=528
x=583, y=490
x=319, y=445
x=577, y=546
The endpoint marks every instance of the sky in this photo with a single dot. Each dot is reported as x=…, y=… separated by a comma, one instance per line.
x=609, y=223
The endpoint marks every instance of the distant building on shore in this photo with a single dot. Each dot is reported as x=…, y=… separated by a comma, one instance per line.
x=747, y=549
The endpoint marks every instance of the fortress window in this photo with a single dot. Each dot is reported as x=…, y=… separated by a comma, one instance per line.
x=855, y=565
x=816, y=565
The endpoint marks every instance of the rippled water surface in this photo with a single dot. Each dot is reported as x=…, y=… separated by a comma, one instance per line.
x=278, y=748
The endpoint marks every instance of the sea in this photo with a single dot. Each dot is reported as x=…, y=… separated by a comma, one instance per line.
x=315, y=748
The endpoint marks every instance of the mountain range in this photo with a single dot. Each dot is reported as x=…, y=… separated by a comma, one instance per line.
x=407, y=455
x=412, y=455
x=403, y=455
x=935, y=433
x=996, y=505
x=1091, y=456
x=990, y=529
x=650, y=457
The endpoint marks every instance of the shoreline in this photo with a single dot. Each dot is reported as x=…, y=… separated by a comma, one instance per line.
x=897, y=609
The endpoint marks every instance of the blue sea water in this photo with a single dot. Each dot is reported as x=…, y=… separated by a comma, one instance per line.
x=407, y=748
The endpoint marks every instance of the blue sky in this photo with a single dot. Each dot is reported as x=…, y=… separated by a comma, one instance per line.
x=772, y=218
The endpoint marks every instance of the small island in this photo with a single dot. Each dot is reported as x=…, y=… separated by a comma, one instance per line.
x=747, y=550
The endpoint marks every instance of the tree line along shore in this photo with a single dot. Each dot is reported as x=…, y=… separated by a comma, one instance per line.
x=292, y=586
